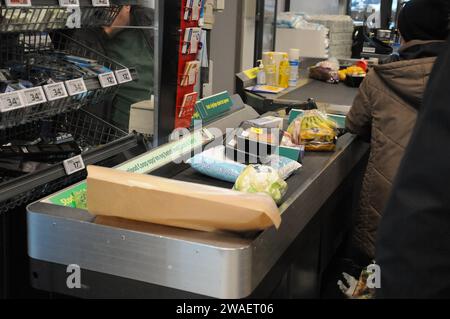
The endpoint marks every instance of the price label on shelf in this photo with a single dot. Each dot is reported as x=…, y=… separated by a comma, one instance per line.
x=55, y=91
x=74, y=164
x=76, y=86
x=123, y=76
x=18, y=3
x=69, y=3
x=100, y=3
x=34, y=96
x=107, y=79
x=10, y=101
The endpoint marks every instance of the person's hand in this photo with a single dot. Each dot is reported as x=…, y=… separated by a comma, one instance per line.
x=349, y=287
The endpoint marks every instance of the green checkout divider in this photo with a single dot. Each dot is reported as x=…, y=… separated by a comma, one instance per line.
x=211, y=107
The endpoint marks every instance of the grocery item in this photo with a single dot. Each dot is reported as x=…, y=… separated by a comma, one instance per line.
x=271, y=71
x=284, y=72
x=162, y=201
x=261, y=76
x=294, y=64
x=285, y=166
x=314, y=130
x=262, y=179
x=214, y=163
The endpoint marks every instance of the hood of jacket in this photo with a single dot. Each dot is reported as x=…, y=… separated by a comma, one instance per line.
x=408, y=77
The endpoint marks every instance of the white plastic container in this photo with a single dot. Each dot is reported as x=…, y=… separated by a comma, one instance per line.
x=294, y=63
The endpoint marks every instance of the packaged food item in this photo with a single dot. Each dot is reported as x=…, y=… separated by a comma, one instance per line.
x=284, y=166
x=314, y=130
x=327, y=71
x=214, y=163
x=262, y=179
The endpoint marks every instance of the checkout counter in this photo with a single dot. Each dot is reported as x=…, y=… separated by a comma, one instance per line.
x=136, y=260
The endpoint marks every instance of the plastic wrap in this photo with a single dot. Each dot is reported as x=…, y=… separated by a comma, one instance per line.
x=262, y=179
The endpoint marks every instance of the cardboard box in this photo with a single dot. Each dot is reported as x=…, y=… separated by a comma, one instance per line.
x=167, y=202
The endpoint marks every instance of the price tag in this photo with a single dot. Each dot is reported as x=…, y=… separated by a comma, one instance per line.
x=10, y=101
x=18, y=3
x=76, y=86
x=55, y=91
x=69, y=3
x=100, y=3
x=74, y=164
x=107, y=79
x=123, y=76
x=34, y=96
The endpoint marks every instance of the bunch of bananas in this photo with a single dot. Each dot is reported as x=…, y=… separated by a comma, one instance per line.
x=314, y=130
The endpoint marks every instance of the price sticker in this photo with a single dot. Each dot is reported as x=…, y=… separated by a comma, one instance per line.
x=69, y=3
x=123, y=76
x=10, y=101
x=18, y=3
x=76, y=86
x=74, y=164
x=107, y=79
x=100, y=3
x=55, y=91
x=34, y=96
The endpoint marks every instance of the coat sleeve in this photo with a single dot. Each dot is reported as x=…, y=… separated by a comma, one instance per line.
x=359, y=119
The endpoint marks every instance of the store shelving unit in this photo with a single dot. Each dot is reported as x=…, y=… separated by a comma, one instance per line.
x=31, y=37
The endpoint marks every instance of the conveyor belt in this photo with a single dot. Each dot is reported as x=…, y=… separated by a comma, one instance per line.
x=324, y=92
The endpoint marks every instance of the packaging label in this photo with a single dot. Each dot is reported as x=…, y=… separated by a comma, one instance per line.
x=55, y=91
x=107, y=79
x=76, y=86
x=10, y=101
x=34, y=96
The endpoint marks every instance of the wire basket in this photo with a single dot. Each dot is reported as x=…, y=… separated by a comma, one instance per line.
x=26, y=53
x=89, y=131
x=46, y=18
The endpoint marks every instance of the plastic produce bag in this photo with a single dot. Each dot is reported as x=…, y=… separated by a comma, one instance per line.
x=314, y=130
x=285, y=166
x=262, y=179
x=214, y=163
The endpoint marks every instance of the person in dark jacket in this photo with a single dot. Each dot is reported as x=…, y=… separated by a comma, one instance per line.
x=385, y=110
x=413, y=247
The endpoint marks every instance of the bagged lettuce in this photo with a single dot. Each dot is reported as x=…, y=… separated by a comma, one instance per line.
x=262, y=179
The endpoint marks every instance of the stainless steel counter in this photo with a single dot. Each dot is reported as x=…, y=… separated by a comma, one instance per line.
x=218, y=265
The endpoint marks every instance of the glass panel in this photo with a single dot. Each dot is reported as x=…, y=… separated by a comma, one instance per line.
x=130, y=41
x=362, y=10
x=269, y=25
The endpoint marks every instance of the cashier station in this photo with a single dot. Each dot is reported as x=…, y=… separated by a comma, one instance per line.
x=136, y=260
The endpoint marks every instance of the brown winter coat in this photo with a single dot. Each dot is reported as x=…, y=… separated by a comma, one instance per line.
x=384, y=113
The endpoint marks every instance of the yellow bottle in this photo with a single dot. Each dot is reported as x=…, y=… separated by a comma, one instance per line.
x=284, y=72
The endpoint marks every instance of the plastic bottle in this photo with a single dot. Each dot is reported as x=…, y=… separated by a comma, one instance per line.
x=271, y=71
x=294, y=63
x=284, y=71
x=261, y=78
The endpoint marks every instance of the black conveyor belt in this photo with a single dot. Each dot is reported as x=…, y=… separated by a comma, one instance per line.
x=313, y=163
x=324, y=92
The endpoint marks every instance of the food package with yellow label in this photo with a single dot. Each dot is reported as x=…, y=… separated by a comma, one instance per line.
x=315, y=130
x=113, y=193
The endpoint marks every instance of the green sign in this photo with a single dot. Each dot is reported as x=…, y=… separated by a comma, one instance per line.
x=212, y=106
x=141, y=165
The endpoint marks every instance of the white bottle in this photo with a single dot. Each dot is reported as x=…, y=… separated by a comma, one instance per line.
x=261, y=78
x=294, y=63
